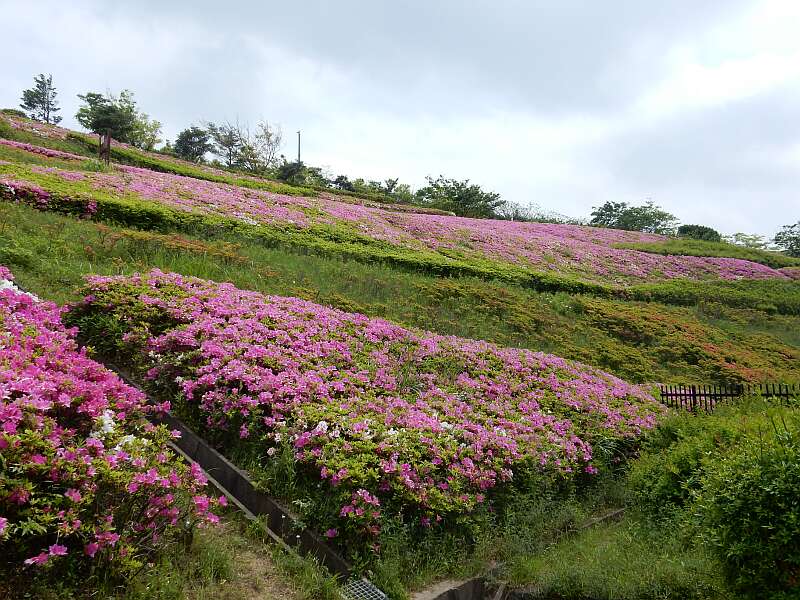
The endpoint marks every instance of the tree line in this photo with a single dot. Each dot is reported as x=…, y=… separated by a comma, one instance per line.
x=257, y=151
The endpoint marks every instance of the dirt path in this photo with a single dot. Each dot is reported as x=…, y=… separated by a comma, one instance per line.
x=254, y=574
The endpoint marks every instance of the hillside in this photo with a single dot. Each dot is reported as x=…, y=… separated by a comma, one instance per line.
x=733, y=319
x=414, y=384
x=585, y=254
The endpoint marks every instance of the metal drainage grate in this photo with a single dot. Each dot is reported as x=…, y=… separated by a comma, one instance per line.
x=361, y=589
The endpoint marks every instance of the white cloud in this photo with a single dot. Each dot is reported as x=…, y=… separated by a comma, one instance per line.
x=565, y=105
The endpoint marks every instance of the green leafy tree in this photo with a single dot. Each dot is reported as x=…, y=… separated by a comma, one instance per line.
x=41, y=100
x=460, y=197
x=648, y=218
x=699, y=232
x=192, y=144
x=106, y=117
x=402, y=193
x=317, y=177
x=291, y=172
x=389, y=185
x=788, y=239
x=343, y=183
x=748, y=240
x=119, y=117
x=258, y=152
x=226, y=140
x=145, y=131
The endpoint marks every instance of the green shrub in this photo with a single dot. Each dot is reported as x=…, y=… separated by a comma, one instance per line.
x=705, y=248
x=748, y=513
x=767, y=295
x=670, y=467
x=14, y=112
x=731, y=481
x=16, y=257
x=699, y=232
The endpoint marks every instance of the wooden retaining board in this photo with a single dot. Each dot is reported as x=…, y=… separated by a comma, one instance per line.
x=236, y=483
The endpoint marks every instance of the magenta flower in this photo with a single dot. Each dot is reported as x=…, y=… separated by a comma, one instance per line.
x=73, y=495
x=588, y=253
x=53, y=396
x=356, y=397
x=39, y=559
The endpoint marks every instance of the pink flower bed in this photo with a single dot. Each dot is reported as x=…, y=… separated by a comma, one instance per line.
x=41, y=129
x=586, y=252
x=432, y=426
x=84, y=477
x=49, y=153
x=791, y=272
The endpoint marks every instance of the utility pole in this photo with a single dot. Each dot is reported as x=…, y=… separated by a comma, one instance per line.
x=298, y=147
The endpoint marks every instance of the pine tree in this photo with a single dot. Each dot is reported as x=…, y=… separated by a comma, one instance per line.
x=40, y=101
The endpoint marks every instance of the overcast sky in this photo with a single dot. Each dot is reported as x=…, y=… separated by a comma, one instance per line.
x=566, y=104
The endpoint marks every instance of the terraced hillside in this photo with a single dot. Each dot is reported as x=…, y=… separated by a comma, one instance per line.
x=595, y=295
x=413, y=383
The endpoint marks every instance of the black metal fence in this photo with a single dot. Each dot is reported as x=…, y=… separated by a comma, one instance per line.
x=706, y=397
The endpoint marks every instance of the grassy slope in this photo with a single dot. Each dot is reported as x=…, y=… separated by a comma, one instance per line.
x=686, y=247
x=726, y=332
x=781, y=296
x=638, y=341
x=634, y=559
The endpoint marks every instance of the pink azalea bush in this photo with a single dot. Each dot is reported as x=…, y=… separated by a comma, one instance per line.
x=589, y=253
x=48, y=152
x=86, y=482
x=432, y=427
x=44, y=130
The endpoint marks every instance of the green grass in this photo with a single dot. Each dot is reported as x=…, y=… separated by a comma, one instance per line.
x=634, y=559
x=67, y=145
x=639, y=341
x=69, y=197
x=688, y=247
x=235, y=560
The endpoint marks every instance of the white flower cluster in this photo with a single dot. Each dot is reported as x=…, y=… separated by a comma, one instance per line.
x=5, y=284
x=106, y=423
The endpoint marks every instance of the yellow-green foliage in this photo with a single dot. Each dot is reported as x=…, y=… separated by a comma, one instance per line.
x=688, y=247
x=635, y=340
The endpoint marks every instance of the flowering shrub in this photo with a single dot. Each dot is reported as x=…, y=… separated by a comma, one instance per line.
x=792, y=272
x=48, y=152
x=86, y=483
x=44, y=130
x=430, y=426
x=586, y=252
x=30, y=193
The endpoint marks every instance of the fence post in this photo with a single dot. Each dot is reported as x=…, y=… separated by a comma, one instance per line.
x=694, y=398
